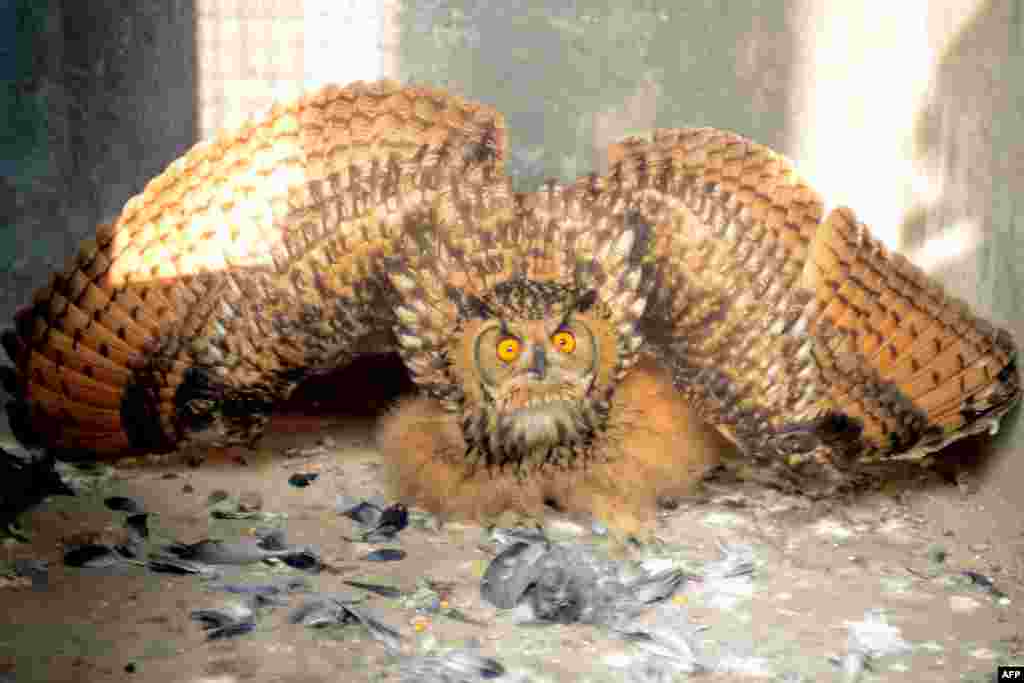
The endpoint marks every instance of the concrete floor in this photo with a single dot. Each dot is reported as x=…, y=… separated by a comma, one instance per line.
x=819, y=566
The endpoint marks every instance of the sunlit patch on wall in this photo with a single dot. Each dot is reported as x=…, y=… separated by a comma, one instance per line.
x=857, y=95
x=957, y=242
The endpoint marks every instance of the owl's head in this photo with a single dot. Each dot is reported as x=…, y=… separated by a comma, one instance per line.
x=525, y=345
x=534, y=361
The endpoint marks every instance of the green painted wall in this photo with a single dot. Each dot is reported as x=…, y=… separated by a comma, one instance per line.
x=574, y=76
x=24, y=144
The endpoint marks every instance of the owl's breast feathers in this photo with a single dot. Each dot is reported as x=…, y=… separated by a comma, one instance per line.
x=377, y=217
x=651, y=446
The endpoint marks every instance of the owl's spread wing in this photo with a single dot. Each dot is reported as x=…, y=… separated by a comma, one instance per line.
x=364, y=218
x=805, y=341
x=250, y=262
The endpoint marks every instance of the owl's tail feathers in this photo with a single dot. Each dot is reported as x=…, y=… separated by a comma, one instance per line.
x=913, y=363
x=74, y=350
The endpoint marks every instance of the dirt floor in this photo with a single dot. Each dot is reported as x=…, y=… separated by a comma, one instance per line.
x=818, y=568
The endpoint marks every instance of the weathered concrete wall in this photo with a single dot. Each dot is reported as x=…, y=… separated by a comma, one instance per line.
x=573, y=77
x=110, y=87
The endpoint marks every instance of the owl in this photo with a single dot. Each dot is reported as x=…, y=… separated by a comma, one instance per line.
x=591, y=346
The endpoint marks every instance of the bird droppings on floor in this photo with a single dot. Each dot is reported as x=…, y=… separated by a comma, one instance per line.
x=744, y=583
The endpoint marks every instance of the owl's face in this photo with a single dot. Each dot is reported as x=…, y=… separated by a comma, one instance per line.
x=536, y=374
x=531, y=365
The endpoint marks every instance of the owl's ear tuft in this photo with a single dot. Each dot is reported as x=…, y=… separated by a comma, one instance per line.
x=585, y=301
x=643, y=234
x=470, y=306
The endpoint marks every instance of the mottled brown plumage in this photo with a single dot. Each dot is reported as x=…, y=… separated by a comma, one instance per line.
x=653, y=446
x=377, y=217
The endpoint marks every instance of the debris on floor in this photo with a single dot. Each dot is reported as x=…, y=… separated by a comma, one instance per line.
x=189, y=574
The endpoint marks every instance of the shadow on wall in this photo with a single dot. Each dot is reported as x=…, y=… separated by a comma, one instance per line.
x=968, y=230
x=109, y=91
x=969, y=145
x=25, y=166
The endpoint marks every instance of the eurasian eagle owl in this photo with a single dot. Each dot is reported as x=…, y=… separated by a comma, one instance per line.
x=585, y=344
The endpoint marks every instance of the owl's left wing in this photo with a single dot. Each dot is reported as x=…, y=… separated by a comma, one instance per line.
x=805, y=341
x=253, y=261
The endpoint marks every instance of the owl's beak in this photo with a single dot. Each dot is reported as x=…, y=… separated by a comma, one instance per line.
x=538, y=363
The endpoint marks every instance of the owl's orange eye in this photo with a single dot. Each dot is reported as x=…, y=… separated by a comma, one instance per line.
x=508, y=349
x=564, y=341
